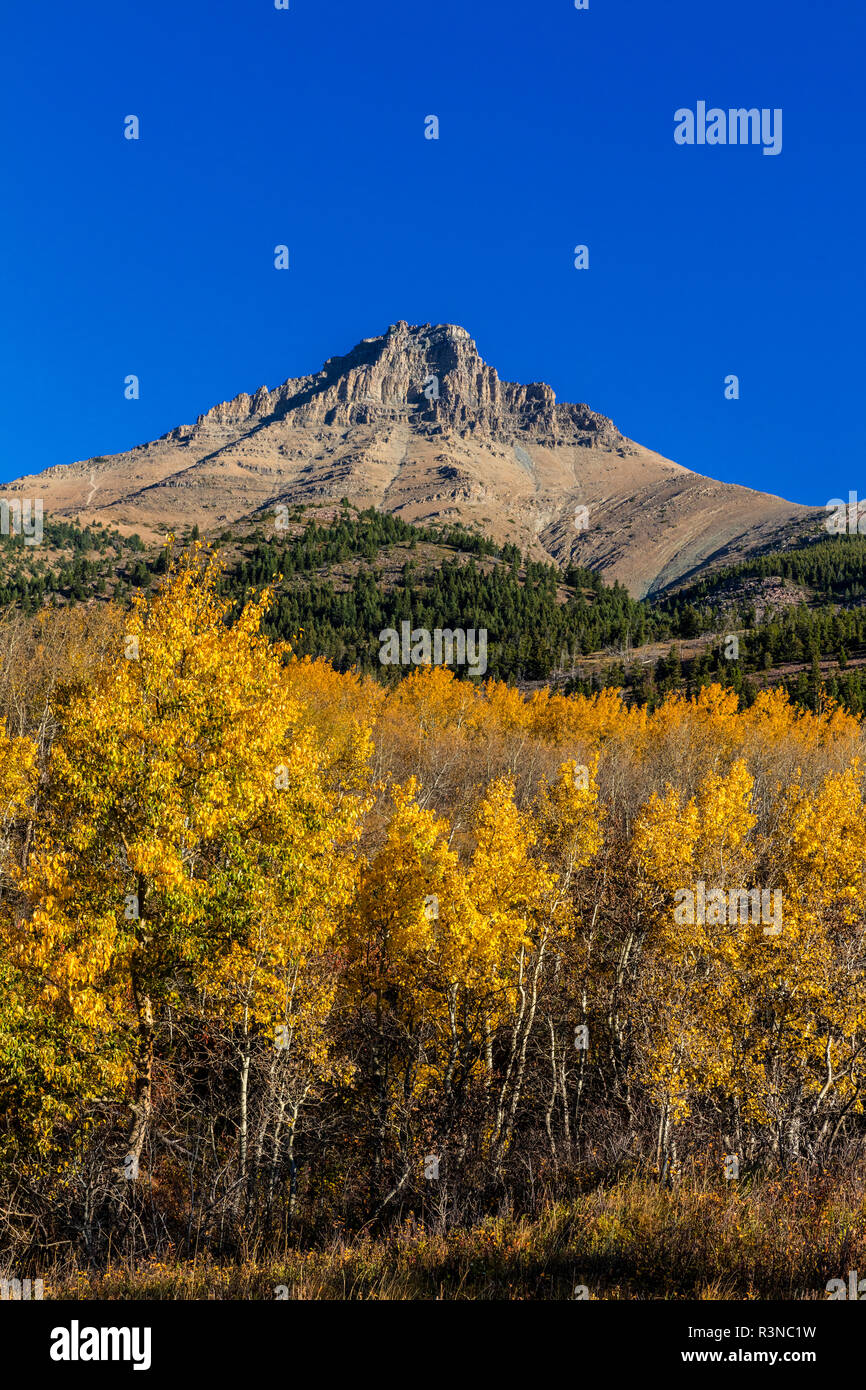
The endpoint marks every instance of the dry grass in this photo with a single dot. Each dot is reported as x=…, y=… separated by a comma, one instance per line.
x=633, y=1241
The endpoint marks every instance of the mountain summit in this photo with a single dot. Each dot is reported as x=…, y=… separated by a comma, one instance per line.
x=430, y=375
x=416, y=423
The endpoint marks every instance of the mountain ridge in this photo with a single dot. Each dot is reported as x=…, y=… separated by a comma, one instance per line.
x=416, y=423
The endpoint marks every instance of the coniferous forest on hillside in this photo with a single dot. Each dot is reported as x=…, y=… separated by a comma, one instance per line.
x=338, y=583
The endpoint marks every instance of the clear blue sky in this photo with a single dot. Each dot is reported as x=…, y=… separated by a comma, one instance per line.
x=306, y=127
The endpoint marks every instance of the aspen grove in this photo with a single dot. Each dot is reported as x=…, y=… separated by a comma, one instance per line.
x=284, y=950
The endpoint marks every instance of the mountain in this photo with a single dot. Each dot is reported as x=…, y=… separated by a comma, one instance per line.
x=416, y=424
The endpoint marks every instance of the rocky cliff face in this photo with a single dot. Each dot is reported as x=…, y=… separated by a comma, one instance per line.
x=431, y=375
x=416, y=423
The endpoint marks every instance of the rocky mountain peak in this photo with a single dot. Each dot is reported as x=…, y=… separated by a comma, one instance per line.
x=432, y=377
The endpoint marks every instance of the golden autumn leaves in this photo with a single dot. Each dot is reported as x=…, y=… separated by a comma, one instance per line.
x=160, y=789
x=769, y=1020
x=441, y=884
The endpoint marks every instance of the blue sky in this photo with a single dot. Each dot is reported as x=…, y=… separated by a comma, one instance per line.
x=306, y=127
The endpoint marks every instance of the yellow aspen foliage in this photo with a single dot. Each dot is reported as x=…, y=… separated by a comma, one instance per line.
x=25, y=1044
x=18, y=777
x=569, y=818
x=512, y=891
x=449, y=947
x=699, y=850
x=766, y=1007
x=186, y=815
x=401, y=897
x=443, y=914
